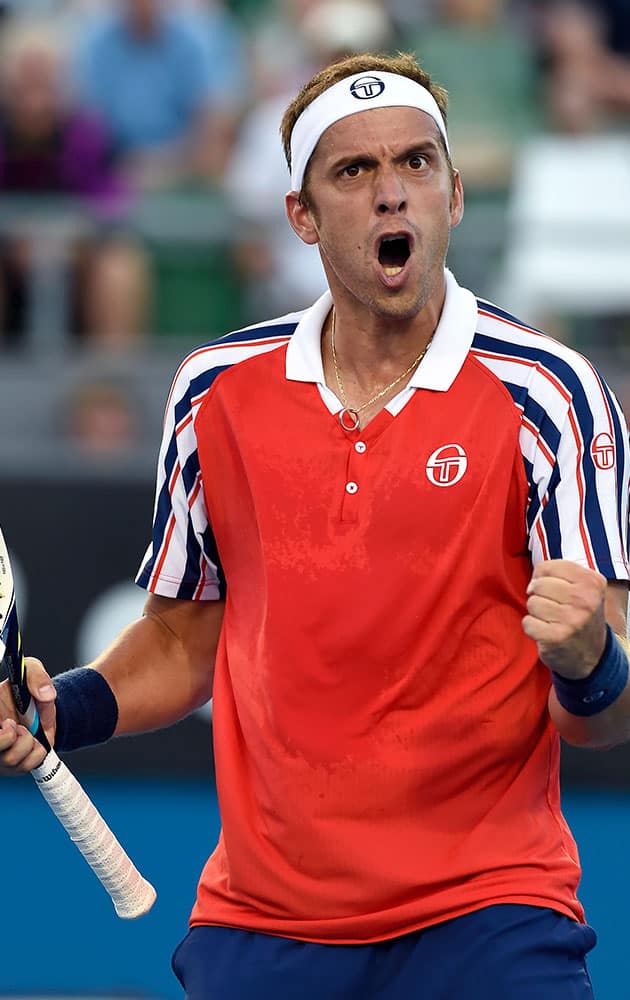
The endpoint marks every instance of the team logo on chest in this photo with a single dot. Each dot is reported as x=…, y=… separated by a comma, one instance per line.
x=447, y=465
x=603, y=451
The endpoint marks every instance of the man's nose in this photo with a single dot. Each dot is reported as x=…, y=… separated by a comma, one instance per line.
x=390, y=195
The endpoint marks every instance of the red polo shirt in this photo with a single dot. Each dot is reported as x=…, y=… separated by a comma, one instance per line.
x=384, y=754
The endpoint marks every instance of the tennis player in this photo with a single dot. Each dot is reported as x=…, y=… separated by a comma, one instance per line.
x=390, y=538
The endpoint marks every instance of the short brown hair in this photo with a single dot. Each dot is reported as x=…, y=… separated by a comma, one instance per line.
x=404, y=64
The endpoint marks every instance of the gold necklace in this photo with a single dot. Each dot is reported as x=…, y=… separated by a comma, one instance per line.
x=352, y=412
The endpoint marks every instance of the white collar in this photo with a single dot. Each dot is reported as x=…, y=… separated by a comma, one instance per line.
x=439, y=369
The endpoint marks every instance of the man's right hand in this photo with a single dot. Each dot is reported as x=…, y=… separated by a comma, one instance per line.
x=19, y=751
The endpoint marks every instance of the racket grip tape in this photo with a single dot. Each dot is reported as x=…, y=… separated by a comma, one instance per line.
x=131, y=894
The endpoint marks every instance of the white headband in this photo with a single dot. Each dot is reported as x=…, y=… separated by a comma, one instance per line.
x=360, y=92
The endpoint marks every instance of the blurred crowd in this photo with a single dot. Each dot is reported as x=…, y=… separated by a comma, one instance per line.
x=142, y=177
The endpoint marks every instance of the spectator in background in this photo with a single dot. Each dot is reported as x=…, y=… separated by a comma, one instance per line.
x=491, y=66
x=567, y=255
x=408, y=15
x=279, y=272
x=278, y=54
x=169, y=85
x=585, y=51
x=100, y=420
x=51, y=147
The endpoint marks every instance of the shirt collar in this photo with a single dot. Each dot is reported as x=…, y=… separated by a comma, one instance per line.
x=451, y=341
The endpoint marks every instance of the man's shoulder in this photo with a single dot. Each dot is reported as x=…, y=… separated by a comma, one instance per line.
x=501, y=325
x=203, y=364
x=504, y=335
x=536, y=367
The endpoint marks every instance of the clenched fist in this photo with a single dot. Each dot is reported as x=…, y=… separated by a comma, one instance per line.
x=566, y=617
x=19, y=751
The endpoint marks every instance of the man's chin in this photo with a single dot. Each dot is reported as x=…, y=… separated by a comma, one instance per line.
x=399, y=308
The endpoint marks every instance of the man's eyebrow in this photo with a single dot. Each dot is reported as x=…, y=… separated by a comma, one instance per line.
x=428, y=145
x=356, y=157
x=424, y=146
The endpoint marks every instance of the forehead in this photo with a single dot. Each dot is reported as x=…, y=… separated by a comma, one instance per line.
x=377, y=129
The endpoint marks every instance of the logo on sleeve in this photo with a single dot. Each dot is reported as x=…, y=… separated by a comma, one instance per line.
x=603, y=451
x=366, y=87
x=447, y=465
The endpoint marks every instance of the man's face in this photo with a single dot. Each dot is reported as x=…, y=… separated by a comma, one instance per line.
x=382, y=202
x=33, y=97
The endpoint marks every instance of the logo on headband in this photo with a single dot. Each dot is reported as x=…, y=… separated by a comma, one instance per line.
x=366, y=87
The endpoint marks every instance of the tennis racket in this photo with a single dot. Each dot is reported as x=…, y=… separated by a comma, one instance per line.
x=131, y=894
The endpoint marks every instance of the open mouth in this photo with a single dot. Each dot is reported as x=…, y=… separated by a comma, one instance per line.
x=393, y=254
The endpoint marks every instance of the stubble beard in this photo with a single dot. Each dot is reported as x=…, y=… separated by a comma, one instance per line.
x=403, y=305
x=408, y=304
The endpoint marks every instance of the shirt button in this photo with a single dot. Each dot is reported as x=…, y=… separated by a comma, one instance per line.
x=351, y=487
x=360, y=446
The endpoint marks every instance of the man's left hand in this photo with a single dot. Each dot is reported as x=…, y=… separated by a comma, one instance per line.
x=566, y=617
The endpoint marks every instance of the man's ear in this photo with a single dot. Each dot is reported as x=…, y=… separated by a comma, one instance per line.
x=457, y=200
x=301, y=218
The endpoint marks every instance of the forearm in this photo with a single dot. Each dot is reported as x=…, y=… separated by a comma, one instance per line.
x=151, y=685
x=161, y=666
x=159, y=669
x=598, y=731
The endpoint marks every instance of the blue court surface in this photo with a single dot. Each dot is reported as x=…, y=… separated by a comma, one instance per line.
x=61, y=936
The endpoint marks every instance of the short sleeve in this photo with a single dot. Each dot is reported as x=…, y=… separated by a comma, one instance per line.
x=579, y=478
x=182, y=560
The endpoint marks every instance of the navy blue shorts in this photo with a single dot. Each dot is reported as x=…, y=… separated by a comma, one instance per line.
x=507, y=952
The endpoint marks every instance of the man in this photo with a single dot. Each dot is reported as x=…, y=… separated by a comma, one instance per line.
x=169, y=83
x=51, y=148
x=584, y=50
x=411, y=504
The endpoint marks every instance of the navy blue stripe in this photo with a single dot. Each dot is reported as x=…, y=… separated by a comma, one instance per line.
x=550, y=435
x=533, y=501
x=212, y=553
x=144, y=577
x=189, y=472
x=190, y=578
x=502, y=314
x=244, y=335
x=519, y=393
x=181, y=410
x=257, y=333
x=190, y=469
x=536, y=414
x=570, y=380
x=163, y=510
x=164, y=506
x=551, y=524
x=196, y=387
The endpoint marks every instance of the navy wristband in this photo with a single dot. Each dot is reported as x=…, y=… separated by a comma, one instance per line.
x=590, y=695
x=87, y=710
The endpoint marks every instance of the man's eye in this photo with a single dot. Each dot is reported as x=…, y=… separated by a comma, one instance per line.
x=352, y=170
x=417, y=162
